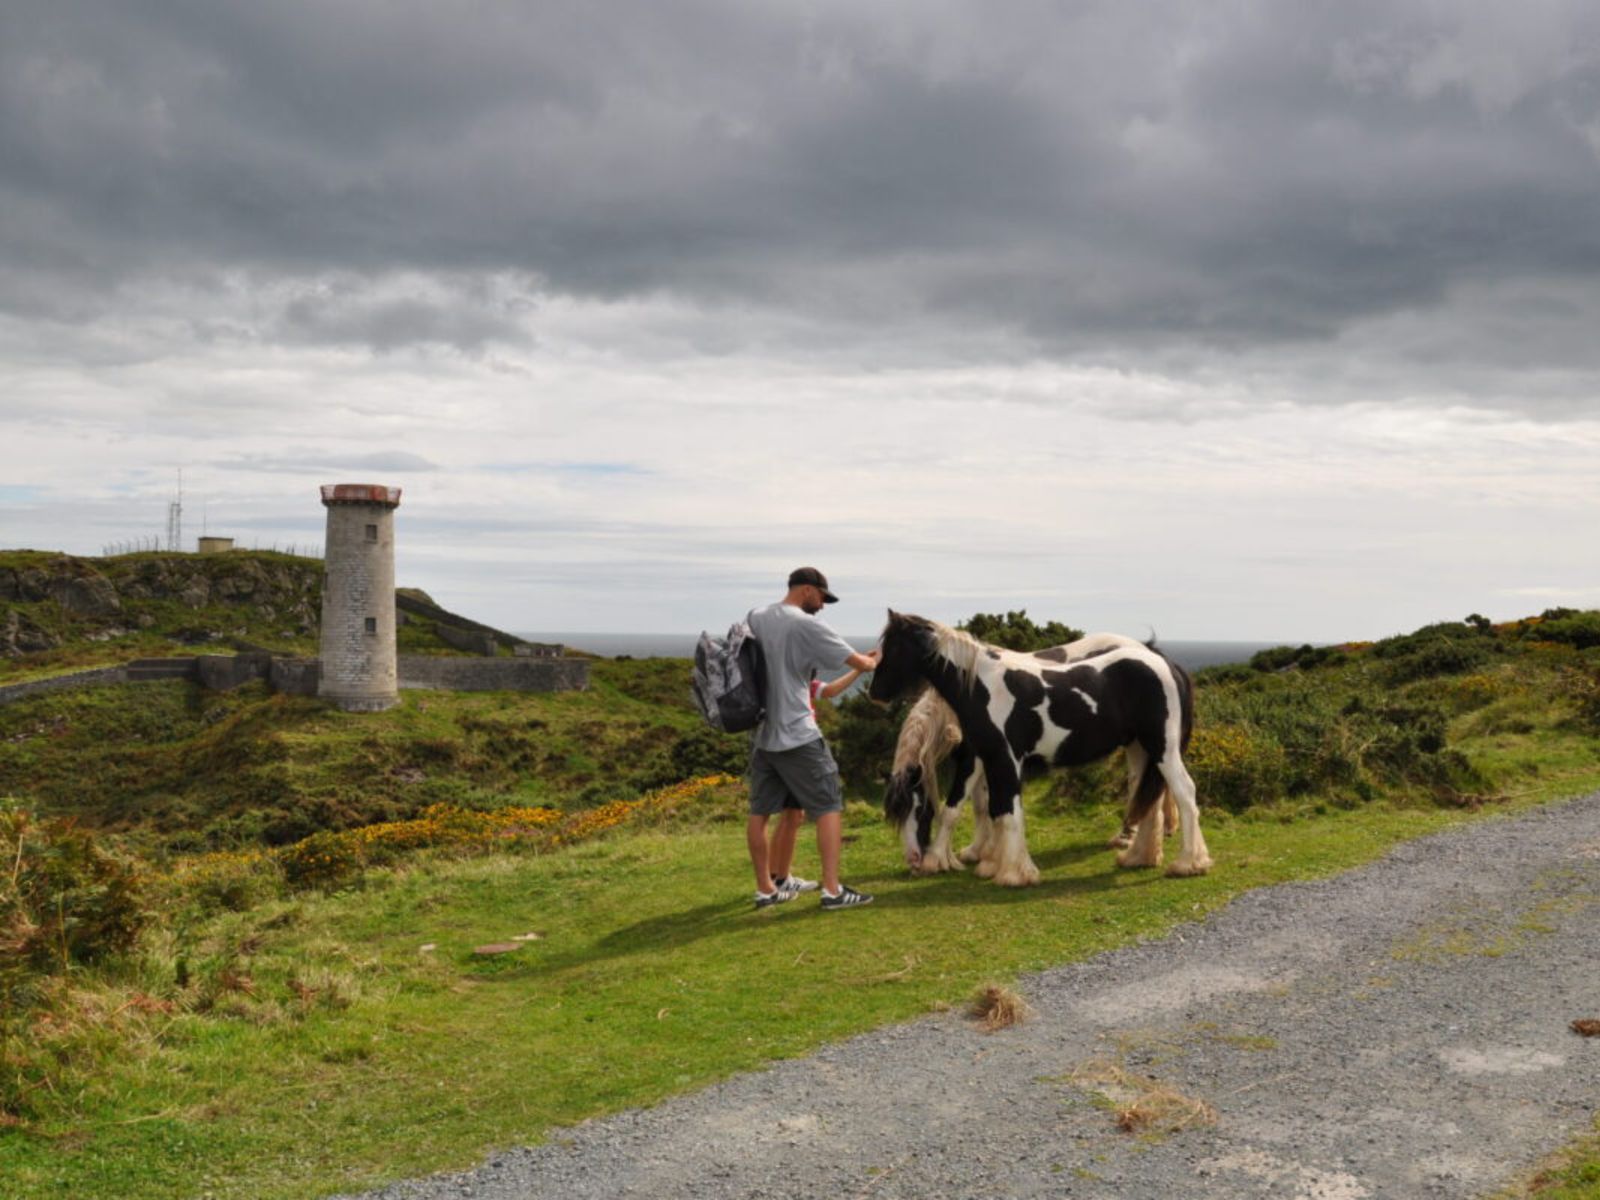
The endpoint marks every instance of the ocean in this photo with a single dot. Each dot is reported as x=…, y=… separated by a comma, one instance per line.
x=1190, y=655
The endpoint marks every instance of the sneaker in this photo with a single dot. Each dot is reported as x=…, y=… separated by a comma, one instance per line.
x=793, y=883
x=848, y=897
x=768, y=899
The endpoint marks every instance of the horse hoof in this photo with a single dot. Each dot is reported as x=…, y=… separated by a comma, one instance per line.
x=987, y=868
x=1131, y=861
x=1121, y=842
x=1025, y=876
x=1197, y=866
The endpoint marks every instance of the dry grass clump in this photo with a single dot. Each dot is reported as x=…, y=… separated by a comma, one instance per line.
x=999, y=1007
x=1140, y=1104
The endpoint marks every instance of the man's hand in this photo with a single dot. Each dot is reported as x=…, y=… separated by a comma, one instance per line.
x=865, y=662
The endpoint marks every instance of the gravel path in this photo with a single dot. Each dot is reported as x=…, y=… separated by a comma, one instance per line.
x=1402, y=1030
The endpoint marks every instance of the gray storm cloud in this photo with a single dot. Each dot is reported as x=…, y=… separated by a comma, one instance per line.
x=1097, y=182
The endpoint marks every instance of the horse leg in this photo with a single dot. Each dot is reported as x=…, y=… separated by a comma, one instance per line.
x=1136, y=759
x=975, y=786
x=939, y=857
x=1193, y=858
x=1145, y=798
x=1013, y=867
x=985, y=847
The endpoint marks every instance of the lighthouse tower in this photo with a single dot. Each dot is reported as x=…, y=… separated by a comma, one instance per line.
x=358, y=619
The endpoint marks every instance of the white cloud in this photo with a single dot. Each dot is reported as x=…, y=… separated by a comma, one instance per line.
x=1232, y=323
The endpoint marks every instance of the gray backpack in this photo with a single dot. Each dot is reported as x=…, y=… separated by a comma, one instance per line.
x=729, y=683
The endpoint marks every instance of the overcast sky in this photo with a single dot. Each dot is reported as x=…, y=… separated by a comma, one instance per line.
x=1249, y=320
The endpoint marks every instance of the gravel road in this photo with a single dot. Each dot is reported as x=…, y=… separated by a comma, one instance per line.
x=1402, y=1030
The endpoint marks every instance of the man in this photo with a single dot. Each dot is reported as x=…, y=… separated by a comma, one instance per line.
x=788, y=756
x=780, y=849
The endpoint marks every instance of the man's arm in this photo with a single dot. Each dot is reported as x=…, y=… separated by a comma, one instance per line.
x=864, y=662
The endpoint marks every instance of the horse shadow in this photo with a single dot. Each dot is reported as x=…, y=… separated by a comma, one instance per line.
x=721, y=918
x=956, y=888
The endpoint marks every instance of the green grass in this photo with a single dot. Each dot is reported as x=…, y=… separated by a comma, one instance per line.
x=354, y=1056
x=312, y=1045
x=179, y=768
x=1571, y=1174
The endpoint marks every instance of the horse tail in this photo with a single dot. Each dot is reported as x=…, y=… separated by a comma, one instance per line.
x=1185, y=705
x=1185, y=686
x=1152, y=785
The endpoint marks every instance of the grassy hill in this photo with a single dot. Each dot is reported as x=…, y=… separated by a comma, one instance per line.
x=173, y=767
x=59, y=612
x=1455, y=713
x=236, y=945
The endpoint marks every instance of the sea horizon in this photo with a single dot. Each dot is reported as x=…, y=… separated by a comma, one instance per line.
x=1191, y=654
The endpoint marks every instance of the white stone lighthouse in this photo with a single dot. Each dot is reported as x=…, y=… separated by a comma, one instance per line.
x=358, y=619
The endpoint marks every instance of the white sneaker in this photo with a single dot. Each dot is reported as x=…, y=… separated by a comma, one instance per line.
x=848, y=897
x=793, y=883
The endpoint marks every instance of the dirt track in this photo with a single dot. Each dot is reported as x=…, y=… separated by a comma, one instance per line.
x=1400, y=1031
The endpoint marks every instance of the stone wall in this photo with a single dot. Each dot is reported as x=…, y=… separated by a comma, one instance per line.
x=63, y=683
x=299, y=676
x=295, y=676
x=494, y=674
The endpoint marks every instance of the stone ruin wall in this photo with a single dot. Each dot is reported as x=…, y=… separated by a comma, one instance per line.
x=301, y=676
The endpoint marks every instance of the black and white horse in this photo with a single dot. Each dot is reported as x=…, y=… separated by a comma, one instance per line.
x=1015, y=707
x=930, y=733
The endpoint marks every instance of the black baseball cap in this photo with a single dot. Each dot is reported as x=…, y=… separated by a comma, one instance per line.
x=803, y=576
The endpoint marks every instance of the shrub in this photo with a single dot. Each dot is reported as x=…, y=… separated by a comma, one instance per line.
x=1583, y=689
x=1448, y=648
x=1017, y=631
x=1409, y=743
x=1442, y=657
x=1471, y=692
x=1284, y=658
x=704, y=751
x=1578, y=629
x=227, y=881
x=1236, y=767
x=325, y=860
x=67, y=898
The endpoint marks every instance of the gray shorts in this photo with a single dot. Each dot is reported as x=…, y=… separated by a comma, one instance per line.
x=807, y=773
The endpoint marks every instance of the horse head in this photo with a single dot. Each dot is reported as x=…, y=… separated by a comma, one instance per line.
x=909, y=806
x=906, y=644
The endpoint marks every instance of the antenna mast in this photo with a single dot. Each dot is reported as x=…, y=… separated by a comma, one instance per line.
x=175, y=518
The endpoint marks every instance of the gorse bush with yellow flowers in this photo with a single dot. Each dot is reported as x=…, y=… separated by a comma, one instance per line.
x=333, y=858
x=66, y=896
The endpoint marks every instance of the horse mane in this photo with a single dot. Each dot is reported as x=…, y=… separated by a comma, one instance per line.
x=960, y=649
x=928, y=734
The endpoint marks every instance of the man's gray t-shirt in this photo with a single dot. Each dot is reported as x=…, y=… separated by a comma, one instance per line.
x=793, y=645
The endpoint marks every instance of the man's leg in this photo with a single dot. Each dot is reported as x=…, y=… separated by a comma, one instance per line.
x=780, y=853
x=755, y=836
x=830, y=840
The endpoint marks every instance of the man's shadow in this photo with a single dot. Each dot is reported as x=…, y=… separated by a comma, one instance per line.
x=951, y=889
